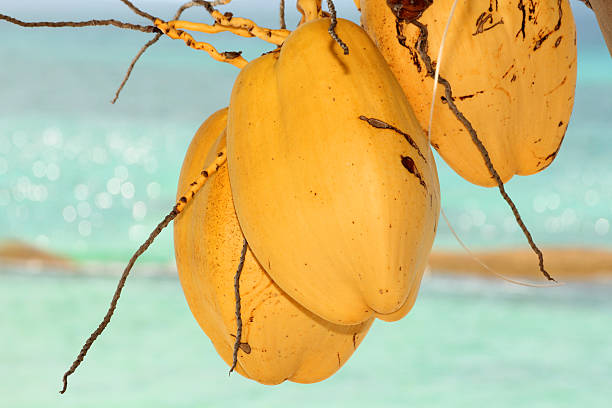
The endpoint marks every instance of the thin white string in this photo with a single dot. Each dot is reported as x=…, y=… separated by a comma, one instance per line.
x=431, y=112
x=438, y=65
x=485, y=266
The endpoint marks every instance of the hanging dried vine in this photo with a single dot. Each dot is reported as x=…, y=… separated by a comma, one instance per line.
x=283, y=25
x=176, y=210
x=422, y=48
x=87, y=23
x=223, y=22
x=149, y=43
x=332, y=27
x=238, y=342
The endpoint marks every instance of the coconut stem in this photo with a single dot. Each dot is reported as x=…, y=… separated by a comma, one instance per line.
x=332, y=27
x=237, y=342
x=178, y=14
x=283, y=25
x=421, y=46
x=113, y=304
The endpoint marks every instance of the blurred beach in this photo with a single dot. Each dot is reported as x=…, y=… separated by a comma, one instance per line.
x=83, y=182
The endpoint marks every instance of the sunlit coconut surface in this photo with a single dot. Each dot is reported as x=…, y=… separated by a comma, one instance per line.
x=89, y=180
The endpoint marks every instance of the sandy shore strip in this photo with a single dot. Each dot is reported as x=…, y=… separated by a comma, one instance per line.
x=25, y=258
x=19, y=254
x=564, y=264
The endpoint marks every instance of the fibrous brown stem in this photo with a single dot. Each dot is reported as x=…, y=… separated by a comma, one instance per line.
x=332, y=27
x=137, y=10
x=421, y=46
x=113, y=304
x=88, y=23
x=180, y=205
x=237, y=343
x=283, y=25
x=178, y=14
x=133, y=63
x=231, y=57
x=380, y=124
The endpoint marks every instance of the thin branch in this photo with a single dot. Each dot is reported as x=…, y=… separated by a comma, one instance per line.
x=177, y=209
x=379, y=124
x=113, y=304
x=133, y=63
x=332, y=27
x=138, y=11
x=178, y=14
x=88, y=23
x=184, y=7
x=421, y=46
x=207, y=5
x=283, y=25
x=237, y=342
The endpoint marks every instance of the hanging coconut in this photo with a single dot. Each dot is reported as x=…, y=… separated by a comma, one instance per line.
x=334, y=184
x=512, y=67
x=280, y=339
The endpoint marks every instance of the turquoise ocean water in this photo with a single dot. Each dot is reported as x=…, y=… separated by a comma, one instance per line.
x=466, y=343
x=90, y=180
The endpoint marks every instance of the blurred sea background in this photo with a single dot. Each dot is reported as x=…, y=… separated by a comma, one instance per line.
x=89, y=180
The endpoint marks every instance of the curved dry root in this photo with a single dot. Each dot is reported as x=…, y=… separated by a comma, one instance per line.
x=332, y=27
x=238, y=344
x=176, y=210
x=173, y=28
x=421, y=47
x=281, y=12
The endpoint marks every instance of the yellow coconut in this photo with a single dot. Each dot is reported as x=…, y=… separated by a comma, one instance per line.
x=512, y=68
x=340, y=213
x=281, y=340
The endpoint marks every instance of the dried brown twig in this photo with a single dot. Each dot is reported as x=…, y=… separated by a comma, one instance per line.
x=178, y=14
x=209, y=6
x=133, y=63
x=283, y=25
x=421, y=47
x=88, y=23
x=137, y=10
x=238, y=343
x=113, y=304
x=189, y=5
x=332, y=27
x=96, y=23
x=142, y=50
x=180, y=205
